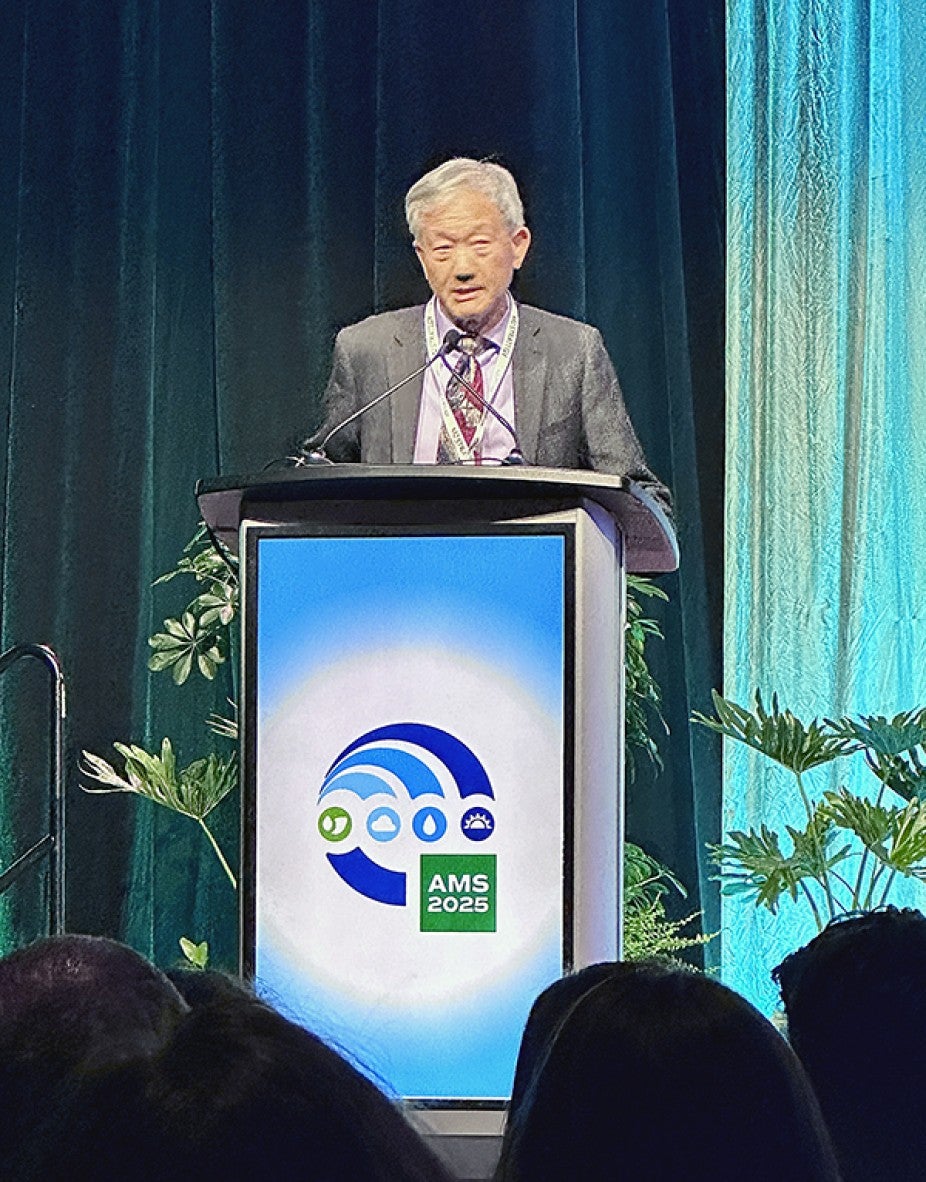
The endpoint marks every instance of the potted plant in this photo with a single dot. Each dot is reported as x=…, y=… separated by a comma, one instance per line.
x=852, y=847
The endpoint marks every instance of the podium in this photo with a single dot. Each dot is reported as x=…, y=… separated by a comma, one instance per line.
x=432, y=733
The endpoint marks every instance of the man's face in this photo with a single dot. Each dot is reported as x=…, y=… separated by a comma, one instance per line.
x=469, y=256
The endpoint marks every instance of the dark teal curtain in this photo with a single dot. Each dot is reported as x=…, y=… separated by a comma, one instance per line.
x=194, y=197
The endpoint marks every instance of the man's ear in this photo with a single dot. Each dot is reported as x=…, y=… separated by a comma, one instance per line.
x=520, y=241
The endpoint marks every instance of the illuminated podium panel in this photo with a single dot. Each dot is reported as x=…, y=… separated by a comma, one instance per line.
x=432, y=734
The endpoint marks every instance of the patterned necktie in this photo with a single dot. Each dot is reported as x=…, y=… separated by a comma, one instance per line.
x=467, y=411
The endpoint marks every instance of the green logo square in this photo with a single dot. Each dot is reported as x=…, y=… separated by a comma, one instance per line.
x=458, y=892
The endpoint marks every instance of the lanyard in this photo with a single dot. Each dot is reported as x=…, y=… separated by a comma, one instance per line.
x=432, y=344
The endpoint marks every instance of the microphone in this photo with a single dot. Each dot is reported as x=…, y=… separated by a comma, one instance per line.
x=515, y=457
x=313, y=452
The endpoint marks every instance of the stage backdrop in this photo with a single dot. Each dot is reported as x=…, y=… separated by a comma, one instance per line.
x=826, y=426
x=193, y=198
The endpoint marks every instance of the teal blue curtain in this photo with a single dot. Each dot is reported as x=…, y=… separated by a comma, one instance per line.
x=826, y=410
x=194, y=196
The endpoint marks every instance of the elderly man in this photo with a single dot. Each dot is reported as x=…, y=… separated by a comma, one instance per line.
x=549, y=379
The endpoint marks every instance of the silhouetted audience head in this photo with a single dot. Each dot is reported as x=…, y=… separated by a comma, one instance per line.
x=660, y=1075
x=244, y=1093
x=547, y=1013
x=199, y=987
x=855, y=998
x=73, y=1010
x=84, y=1001
x=106, y=1072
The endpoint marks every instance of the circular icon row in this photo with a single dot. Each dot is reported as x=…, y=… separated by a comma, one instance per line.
x=384, y=824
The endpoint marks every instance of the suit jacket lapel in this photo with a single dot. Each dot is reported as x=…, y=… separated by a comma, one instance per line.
x=529, y=374
x=406, y=350
x=405, y=353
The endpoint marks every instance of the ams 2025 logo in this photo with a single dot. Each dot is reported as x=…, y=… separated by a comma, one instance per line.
x=390, y=772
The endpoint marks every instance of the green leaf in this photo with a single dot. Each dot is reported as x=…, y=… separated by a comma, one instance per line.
x=209, y=662
x=179, y=629
x=182, y=667
x=198, y=639
x=194, y=791
x=201, y=561
x=226, y=727
x=872, y=823
x=881, y=735
x=104, y=773
x=165, y=641
x=907, y=850
x=196, y=954
x=643, y=698
x=649, y=933
x=638, y=585
x=754, y=863
x=778, y=734
x=163, y=660
x=904, y=774
x=646, y=878
x=185, y=644
x=216, y=608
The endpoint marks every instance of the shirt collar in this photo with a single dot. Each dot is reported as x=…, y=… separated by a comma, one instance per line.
x=495, y=337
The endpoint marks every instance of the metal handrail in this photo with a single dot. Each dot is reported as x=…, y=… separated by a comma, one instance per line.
x=51, y=845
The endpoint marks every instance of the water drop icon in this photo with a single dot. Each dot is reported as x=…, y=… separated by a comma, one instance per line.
x=429, y=824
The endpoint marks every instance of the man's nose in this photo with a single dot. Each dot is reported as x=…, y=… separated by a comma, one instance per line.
x=463, y=276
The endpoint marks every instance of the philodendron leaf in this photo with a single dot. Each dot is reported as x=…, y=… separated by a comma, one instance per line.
x=104, y=773
x=778, y=734
x=895, y=748
x=904, y=774
x=881, y=735
x=872, y=823
x=196, y=954
x=206, y=783
x=907, y=850
x=753, y=862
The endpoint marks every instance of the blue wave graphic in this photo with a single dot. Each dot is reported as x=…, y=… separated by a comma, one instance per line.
x=468, y=773
x=362, y=784
x=414, y=774
x=369, y=878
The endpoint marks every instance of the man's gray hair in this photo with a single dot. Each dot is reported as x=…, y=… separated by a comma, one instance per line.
x=441, y=183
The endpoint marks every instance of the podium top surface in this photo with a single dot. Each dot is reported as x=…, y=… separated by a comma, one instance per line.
x=649, y=537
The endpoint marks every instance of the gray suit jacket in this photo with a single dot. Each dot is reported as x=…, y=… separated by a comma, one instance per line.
x=569, y=410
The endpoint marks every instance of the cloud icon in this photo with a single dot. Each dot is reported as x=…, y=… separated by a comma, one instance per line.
x=383, y=824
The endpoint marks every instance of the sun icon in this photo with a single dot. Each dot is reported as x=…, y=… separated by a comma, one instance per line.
x=477, y=824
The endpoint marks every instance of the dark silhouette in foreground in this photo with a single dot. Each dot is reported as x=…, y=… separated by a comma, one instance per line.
x=661, y=1075
x=107, y=1072
x=855, y=998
